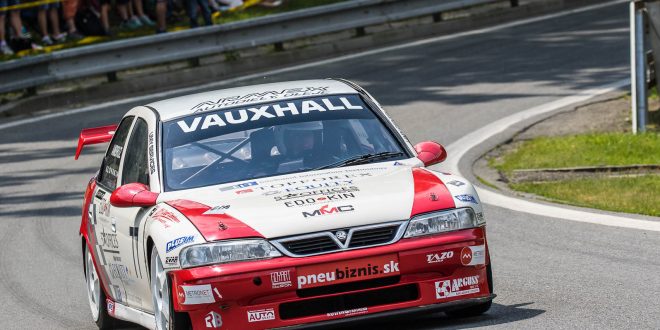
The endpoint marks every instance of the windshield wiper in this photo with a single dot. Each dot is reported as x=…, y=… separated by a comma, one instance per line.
x=362, y=159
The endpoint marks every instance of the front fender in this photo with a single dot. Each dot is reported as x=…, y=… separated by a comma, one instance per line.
x=170, y=231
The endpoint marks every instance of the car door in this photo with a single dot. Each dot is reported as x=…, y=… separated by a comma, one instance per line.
x=107, y=246
x=132, y=270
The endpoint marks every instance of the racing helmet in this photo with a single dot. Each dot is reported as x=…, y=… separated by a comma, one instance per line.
x=298, y=138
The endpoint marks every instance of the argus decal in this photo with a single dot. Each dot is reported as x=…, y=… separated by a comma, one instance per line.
x=257, y=97
x=348, y=271
x=281, y=279
x=457, y=287
x=261, y=315
x=240, y=116
x=213, y=320
x=467, y=199
x=473, y=255
x=326, y=209
x=434, y=258
x=196, y=294
x=174, y=244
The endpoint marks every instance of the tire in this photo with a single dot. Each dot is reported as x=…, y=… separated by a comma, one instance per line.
x=96, y=296
x=165, y=316
x=475, y=310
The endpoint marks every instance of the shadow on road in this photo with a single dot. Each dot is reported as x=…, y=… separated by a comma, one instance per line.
x=498, y=314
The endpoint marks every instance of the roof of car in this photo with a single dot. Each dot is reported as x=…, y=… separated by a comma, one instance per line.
x=232, y=97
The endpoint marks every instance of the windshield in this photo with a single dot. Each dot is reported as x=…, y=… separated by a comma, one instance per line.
x=272, y=139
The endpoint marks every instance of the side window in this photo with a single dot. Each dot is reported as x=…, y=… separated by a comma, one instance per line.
x=135, y=165
x=110, y=167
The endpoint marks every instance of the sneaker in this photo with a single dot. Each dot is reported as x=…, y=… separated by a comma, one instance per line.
x=47, y=41
x=74, y=36
x=5, y=49
x=60, y=38
x=36, y=46
x=147, y=21
x=230, y=4
x=133, y=23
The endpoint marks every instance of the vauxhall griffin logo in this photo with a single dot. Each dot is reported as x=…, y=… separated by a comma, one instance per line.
x=326, y=209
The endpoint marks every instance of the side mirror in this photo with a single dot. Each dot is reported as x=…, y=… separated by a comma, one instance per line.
x=132, y=195
x=430, y=152
x=94, y=135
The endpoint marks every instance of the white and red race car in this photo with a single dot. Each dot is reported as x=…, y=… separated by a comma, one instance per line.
x=277, y=205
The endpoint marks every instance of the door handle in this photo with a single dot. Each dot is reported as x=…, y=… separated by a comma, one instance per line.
x=113, y=222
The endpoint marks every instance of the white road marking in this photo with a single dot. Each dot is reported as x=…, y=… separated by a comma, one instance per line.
x=457, y=150
x=167, y=94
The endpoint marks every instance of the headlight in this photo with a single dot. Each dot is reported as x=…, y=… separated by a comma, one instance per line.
x=228, y=251
x=440, y=222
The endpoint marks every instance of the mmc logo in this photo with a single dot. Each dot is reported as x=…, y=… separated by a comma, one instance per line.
x=326, y=210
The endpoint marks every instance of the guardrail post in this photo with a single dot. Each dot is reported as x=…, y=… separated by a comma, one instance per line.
x=193, y=62
x=360, y=32
x=112, y=76
x=638, y=67
x=31, y=91
x=437, y=17
x=514, y=3
x=279, y=47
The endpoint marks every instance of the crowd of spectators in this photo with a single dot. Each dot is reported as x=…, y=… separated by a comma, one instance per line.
x=60, y=21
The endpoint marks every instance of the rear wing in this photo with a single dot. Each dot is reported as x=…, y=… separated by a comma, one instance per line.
x=95, y=135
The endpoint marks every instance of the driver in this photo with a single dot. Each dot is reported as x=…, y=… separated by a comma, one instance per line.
x=300, y=141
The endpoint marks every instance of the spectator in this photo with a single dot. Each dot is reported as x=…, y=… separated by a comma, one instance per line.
x=141, y=17
x=122, y=8
x=69, y=10
x=192, y=12
x=161, y=16
x=50, y=11
x=15, y=22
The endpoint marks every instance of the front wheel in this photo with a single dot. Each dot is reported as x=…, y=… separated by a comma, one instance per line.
x=166, y=317
x=95, y=295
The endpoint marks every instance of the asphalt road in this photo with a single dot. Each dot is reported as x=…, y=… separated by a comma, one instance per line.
x=549, y=273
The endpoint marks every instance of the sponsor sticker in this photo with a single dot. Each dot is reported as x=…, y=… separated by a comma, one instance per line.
x=311, y=193
x=326, y=209
x=196, y=294
x=348, y=312
x=172, y=260
x=110, y=305
x=457, y=287
x=165, y=217
x=152, y=152
x=347, y=271
x=259, y=97
x=175, y=243
x=435, y=258
x=261, y=315
x=473, y=255
x=239, y=186
x=281, y=279
x=456, y=183
x=219, y=209
x=318, y=200
x=213, y=320
x=467, y=199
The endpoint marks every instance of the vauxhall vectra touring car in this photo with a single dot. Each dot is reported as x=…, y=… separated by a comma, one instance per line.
x=277, y=205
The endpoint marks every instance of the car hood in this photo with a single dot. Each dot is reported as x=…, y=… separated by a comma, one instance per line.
x=324, y=200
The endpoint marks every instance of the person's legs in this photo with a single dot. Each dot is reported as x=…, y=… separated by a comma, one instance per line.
x=4, y=47
x=16, y=23
x=161, y=16
x=192, y=13
x=206, y=11
x=43, y=20
x=54, y=21
x=105, y=19
x=70, y=7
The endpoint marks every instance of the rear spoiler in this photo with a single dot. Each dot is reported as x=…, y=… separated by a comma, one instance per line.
x=95, y=135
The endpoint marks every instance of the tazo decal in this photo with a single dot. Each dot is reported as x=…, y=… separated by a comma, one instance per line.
x=256, y=97
x=326, y=209
x=439, y=257
x=234, y=117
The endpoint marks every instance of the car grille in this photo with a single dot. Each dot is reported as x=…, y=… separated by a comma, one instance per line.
x=328, y=241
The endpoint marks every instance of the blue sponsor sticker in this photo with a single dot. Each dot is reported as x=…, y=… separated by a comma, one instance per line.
x=466, y=198
x=239, y=186
x=173, y=244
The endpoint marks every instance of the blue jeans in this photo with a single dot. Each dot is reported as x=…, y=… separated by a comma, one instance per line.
x=192, y=12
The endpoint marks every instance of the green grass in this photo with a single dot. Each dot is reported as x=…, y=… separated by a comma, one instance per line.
x=625, y=194
x=582, y=150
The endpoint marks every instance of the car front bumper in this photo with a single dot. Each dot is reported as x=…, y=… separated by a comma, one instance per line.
x=412, y=275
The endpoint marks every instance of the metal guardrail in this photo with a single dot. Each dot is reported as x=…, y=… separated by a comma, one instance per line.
x=107, y=58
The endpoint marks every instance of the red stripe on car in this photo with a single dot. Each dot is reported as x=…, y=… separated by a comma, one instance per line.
x=430, y=193
x=213, y=226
